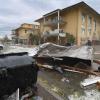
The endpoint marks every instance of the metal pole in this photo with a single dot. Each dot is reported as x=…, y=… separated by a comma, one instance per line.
x=43, y=31
x=58, y=25
x=17, y=94
x=93, y=50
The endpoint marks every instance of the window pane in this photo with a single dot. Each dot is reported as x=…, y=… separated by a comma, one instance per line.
x=83, y=31
x=89, y=21
x=83, y=18
x=94, y=25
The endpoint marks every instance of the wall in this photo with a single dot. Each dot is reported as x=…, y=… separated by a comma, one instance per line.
x=94, y=34
x=70, y=17
x=22, y=34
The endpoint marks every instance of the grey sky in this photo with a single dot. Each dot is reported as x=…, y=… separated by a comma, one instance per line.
x=15, y=12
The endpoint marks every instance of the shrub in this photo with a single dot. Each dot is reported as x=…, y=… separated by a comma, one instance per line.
x=70, y=38
x=34, y=39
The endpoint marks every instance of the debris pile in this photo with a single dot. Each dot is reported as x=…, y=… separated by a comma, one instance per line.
x=56, y=55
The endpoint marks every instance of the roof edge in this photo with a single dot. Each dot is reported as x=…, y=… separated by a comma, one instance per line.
x=82, y=2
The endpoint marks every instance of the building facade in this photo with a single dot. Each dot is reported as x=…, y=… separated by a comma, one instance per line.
x=79, y=20
x=24, y=34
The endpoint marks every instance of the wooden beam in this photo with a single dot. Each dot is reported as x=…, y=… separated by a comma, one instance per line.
x=74, y=71
x=81, y=70
x=97, y=61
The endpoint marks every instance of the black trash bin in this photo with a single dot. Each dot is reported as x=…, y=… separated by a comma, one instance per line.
x=17, y=70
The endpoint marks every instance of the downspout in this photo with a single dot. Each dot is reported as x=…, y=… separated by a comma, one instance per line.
x=43, y=28
x=58, y=26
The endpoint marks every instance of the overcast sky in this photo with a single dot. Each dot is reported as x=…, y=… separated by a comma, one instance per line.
x=15, y=12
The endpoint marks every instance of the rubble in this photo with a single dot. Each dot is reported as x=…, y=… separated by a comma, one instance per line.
x=52, y=53
x=64, y=79
x=53, y=50
x=57, y=55
x=89, y=72
x=66, y=60
x=45, y=66
x=90, y=80
x=17, y=49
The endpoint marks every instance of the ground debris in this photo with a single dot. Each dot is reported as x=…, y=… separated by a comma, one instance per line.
x=90, y=80
x=64, y=79
x=89, y=72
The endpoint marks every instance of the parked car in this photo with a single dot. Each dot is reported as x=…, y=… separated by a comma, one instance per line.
x=1, y=46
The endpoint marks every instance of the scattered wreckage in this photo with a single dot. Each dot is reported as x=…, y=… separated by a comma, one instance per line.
x=74, y=59
x=51, y=56
x=60, y=55
x=55, y=56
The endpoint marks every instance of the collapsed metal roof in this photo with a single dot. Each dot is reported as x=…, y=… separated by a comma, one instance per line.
x=53, y=50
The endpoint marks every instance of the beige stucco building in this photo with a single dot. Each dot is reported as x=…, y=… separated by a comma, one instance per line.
x=80, y=20
x=24, y=32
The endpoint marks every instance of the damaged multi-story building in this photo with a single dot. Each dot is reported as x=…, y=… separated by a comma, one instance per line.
x=79, y=20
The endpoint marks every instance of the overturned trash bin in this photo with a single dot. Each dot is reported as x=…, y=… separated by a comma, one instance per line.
x=17, y=70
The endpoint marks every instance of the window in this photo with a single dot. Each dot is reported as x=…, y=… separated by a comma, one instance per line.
x=47, y=20
x=89, y=30
x=89, y=25
x=82, y=35
x=89, y=21
x=33, y=26
x=94, y=25
x=83, y=18
x=83, y=31
x=25, y=31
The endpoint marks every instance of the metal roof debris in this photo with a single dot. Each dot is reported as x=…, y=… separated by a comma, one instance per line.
x=53, y=50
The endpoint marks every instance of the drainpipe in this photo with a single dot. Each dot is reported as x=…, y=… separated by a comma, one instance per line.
x=43, y=29
x=58, y=26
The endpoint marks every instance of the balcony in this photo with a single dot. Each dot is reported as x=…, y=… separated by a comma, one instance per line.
x=56, y=32
x=54, y=22
x=14, y=35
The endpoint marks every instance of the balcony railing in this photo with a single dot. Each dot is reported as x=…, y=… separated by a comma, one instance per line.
x=56, y=32
x=54, y=22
